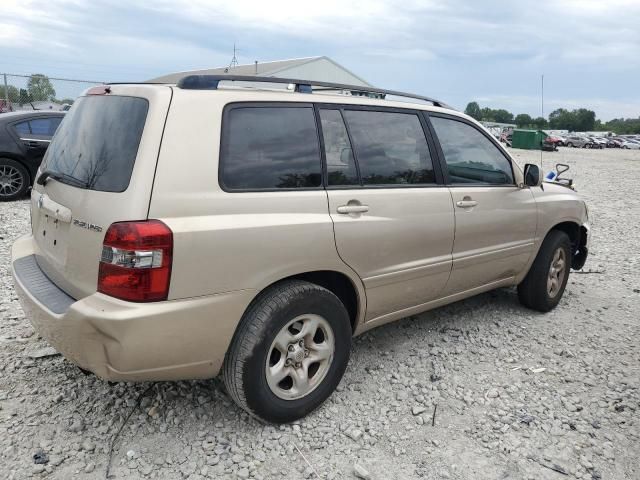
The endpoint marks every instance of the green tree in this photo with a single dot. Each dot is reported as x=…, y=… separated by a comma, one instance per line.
x=488, y=114
x=584, y=120
x=40, y=88
x=24, y=97
x=502, y=116
x=623, y=126
x=540, y=123
x=523, y=120
x=11, y=90
x=473, y=110
x=580, y=120
x=561, y=119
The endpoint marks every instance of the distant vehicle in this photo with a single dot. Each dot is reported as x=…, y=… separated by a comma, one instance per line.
x=24, y=138
x=613, y=143
x=556, y=140
x=630, y=145
x=579, y=142
x=598, y=142
x=505, y=137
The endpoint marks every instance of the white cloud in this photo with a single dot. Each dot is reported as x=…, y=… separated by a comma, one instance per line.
x=464, y=49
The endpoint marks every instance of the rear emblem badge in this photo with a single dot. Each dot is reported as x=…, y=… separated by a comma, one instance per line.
x=87, y=225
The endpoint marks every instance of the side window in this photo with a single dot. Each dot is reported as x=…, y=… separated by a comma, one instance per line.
x=470, y=156
x=40, y=126
x=53, y=126
x=44, y=126
x=22, y=128
x=341, y=167
x=270, y=147
x=391, y=148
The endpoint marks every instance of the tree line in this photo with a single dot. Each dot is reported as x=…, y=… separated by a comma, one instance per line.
x=578, y=120
x=39, y=89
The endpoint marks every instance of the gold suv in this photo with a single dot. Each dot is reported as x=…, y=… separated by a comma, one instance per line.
x=252, y=226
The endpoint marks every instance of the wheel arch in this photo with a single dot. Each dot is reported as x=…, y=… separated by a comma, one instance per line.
x=348, y=290
x=577, y=234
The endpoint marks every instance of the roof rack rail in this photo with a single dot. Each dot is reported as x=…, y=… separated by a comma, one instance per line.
x=211, y=82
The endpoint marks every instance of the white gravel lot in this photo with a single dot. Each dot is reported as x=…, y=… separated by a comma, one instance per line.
x=481, y=389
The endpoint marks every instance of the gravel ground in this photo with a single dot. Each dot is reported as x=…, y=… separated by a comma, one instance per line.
x=480, y=389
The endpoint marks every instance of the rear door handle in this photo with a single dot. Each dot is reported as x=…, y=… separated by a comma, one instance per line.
x=466, y=203
x=346, y=209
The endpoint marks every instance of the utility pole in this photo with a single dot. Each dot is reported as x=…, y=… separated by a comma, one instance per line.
x=542, y=97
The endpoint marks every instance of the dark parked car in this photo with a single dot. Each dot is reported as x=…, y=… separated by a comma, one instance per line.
x=24, y=139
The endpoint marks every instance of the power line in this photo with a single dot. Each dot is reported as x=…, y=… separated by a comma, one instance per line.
x=54, y=78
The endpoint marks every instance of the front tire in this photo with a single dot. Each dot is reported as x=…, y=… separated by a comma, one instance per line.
x=545, y=283
x=14, y=180
x=289, y=352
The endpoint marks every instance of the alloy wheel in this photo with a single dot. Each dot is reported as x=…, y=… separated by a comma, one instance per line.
x=300, y=357
x=556, y=272
x=11, y=180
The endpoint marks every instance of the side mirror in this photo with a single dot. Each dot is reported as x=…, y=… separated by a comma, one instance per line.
x=532, y=176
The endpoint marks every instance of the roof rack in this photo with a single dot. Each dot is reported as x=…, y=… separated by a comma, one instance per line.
x=211, y=82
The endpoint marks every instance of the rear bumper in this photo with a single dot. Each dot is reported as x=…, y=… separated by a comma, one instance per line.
x=117, y=340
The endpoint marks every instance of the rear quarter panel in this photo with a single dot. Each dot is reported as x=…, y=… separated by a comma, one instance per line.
x=232, y=241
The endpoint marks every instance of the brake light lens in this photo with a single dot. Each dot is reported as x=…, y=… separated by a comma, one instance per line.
x=136, y=261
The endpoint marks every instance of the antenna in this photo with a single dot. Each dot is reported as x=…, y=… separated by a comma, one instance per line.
x=234, y=60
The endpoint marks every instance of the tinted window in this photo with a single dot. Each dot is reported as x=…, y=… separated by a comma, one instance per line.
x=470, y=156
x=22, y=128
x=98, y=141
x=341, y=167
x=45, y=126
x=270, y=147
x=390, y=148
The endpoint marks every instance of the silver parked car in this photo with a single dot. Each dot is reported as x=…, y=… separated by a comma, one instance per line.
x=577, y=141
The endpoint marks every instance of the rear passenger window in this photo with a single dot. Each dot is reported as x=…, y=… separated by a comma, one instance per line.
x=44, y=126
x=341, y=168
x=22, y=128
x=270, y=148
x=470, y=156
x=391, y=148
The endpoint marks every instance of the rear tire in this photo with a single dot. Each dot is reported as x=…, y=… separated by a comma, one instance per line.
x=544, y=285
x=14, y=180
x=289, y=352
x=570, y=145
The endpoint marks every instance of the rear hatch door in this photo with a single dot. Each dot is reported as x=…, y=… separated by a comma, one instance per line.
x=101, y=164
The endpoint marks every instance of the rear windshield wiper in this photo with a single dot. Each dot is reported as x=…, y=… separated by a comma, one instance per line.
x=61, y=177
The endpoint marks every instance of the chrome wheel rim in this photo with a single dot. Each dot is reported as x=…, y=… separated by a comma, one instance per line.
x=11, y=180
x=556, y=272
x=300, y=357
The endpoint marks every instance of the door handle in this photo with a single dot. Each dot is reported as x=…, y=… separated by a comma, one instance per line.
x=466, y=203
x=346, y=209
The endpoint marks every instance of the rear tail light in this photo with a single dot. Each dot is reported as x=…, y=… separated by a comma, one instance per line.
x=136, y=261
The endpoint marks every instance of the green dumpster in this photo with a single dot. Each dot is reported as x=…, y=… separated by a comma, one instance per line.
x=528, y=139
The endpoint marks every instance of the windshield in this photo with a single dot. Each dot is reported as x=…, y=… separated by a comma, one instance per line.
x=97, y=143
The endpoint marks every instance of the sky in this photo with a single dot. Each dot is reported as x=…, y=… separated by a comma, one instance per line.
x=493, y=52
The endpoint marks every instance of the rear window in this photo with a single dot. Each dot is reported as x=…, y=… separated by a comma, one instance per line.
x=98, y=141
x=270, y=148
